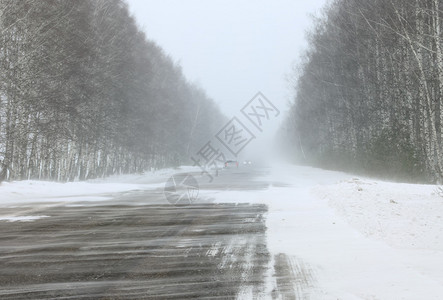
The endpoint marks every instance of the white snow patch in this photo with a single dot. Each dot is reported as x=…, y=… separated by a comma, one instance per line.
x=21, y=218
x=214, y=249
x=403, y=215
x=157, y=176
x=407, y=217
x=29, y=191
x=359, y=243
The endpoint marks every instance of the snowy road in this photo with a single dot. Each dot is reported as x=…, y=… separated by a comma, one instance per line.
x=134, y=246
x=254, y=233
x=134, y=252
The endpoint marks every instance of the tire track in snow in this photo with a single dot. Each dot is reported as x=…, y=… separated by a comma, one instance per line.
x=295, y=279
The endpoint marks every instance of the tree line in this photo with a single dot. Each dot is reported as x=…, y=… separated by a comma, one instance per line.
x=84, y=93
x=368, y=92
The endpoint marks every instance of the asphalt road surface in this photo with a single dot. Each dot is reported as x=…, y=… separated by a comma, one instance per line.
x=137, y=246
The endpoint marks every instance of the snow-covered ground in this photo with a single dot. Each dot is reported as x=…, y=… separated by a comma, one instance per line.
x=357, y=238
x=30, y=191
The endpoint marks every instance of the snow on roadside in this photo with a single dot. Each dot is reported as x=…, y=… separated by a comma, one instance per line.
x=407, y=217
x=402, y=215
x=26, y=191
x=343, y=230
x=158, y=176
x=19, y=192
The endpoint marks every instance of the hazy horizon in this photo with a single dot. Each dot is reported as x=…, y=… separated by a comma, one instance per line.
x=231, y=49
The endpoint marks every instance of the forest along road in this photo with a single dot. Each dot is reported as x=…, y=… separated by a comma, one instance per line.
x=137, y=246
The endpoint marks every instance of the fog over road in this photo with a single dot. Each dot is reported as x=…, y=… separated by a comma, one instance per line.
x=138, y=246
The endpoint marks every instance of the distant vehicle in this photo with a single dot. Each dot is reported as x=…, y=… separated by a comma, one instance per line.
x=247, y=162
x=231, y=163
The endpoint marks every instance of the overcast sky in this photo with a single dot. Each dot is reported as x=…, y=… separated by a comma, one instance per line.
x=231, y=48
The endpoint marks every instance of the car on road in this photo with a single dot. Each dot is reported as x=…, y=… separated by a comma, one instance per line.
x=231, y=163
